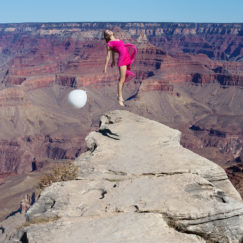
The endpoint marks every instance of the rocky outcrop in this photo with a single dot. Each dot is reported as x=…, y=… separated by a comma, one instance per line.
x=137, y=184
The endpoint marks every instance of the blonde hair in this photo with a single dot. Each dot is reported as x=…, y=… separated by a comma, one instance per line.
x=107, y=36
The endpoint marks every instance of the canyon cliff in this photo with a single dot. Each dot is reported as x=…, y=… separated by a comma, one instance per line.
x=188, y=76
x=136, y=183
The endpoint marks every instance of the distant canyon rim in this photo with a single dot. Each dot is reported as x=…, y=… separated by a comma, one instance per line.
x=189, y=76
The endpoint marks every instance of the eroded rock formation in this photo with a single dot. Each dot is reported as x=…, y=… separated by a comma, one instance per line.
x=138, y=184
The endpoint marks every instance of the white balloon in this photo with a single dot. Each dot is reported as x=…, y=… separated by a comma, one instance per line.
x=77, y=98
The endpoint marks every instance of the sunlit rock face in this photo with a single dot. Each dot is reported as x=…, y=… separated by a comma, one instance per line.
x=137, y=184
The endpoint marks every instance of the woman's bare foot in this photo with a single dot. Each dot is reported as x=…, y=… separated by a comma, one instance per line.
x=120, y=100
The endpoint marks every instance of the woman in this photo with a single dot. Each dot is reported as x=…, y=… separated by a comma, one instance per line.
x=127, y=53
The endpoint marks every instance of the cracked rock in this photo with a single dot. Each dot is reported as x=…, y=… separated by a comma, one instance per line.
x=142, y=187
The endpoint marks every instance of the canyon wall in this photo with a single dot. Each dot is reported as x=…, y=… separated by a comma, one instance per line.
x=188, y=76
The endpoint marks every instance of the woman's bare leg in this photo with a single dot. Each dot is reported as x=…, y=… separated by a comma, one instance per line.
x=122, y=70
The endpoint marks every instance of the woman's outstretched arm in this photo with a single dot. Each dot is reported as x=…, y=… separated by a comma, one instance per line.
x=107, y=58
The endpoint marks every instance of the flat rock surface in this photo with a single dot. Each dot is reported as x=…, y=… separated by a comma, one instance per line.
x=138, y=184
x=124, y=227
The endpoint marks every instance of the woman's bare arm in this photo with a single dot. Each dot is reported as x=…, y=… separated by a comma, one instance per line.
x=107, y=58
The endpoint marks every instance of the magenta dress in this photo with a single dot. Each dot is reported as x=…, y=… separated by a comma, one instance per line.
x=127, y=53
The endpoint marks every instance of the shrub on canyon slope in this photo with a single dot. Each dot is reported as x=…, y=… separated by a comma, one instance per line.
x=64, y=172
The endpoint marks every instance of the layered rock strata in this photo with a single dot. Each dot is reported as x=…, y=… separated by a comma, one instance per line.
x=217, y=40
x=40, y=63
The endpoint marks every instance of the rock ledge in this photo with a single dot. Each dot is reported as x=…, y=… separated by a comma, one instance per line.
x=138, y=184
